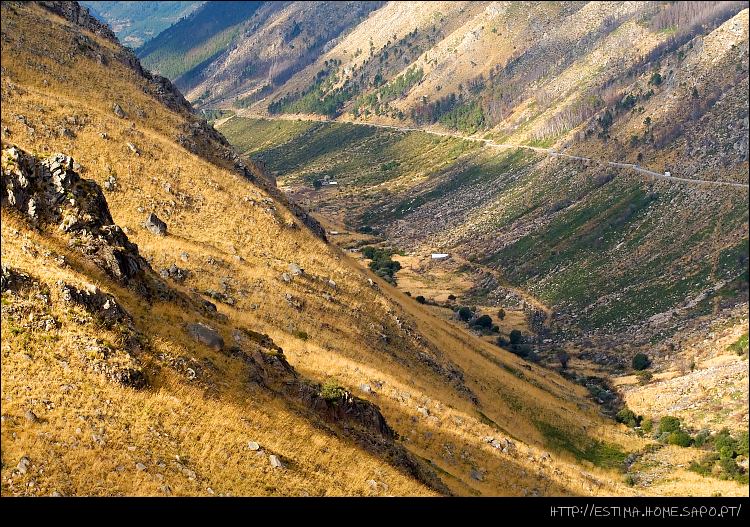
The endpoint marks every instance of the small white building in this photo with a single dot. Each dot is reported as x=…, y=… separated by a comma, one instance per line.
x=668, y=173
x=439, y=256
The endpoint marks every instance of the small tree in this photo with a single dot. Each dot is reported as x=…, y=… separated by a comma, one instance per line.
x=516, y=337
x=640, y=361
x=679, y=438
x=564, y=358
x=501, y=314
x=317, y=184
x=464, y=313
x=655, y=79
x=485, y=321
x=628, y=417
x=669, y=424
x=420, y=299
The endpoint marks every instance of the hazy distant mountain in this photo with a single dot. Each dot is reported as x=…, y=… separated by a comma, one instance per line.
x=136, y=22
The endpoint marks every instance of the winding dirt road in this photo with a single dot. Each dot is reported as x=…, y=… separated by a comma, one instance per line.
x=492, y=144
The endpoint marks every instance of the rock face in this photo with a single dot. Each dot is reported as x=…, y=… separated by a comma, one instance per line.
x=100, y=304
x=50, y=191
x=206, y=335
x=155, y=225
x=79, y=15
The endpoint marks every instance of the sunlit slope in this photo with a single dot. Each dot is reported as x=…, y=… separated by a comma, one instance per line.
x=441, y=390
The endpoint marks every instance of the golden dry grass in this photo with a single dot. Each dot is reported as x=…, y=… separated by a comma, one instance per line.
x=227, y=231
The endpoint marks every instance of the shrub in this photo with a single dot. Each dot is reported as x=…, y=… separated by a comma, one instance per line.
x=501, y=314
x=702, y=437
x=331, y=391
x=640, y=361
x=679, y=438
x=522, y=350
x=502, y=342
x=464, y=313
x=644, y=377
x=516, y=337
x=451, y=297
x=420, y=299
x=655, y=79
x=724, y=440
x=627, y=417
x=564, y=358
x=496, y=329
x=669, y=424
x=301, y=335
x=485, y=321
x=647, y=425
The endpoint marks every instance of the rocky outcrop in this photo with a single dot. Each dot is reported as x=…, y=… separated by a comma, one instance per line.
x=102, y=305
x=50, y=192
x=80, y=16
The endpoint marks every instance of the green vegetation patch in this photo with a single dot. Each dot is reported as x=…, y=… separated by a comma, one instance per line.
x=601, y=454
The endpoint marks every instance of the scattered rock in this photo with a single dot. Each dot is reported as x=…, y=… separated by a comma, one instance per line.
x=295, y=269
x=31, y=416
x=206, y=335
x=140, y=467
x=133, y=148
x=118, y=111
x=252, y=445
x=175, y=273
x=275, y=461
x=110, y=184
x=23, y=465
x=155, y=225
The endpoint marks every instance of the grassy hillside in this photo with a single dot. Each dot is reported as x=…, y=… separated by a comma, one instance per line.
x=312, y=361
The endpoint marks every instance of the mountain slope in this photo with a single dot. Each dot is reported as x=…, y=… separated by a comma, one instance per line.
x=373, y=393
x=591, y=239
x=226, y=47
x=135, y=22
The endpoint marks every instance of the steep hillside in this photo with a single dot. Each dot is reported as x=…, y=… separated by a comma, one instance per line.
x=606, y=247
x=136, y=22
x=222, y=346
x=227, y=48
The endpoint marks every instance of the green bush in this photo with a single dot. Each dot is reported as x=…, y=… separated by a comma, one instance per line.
x=702, y=437
x=420, y=299
x=627, y=417
x=331, y=391
x=464, y=313
x=669, y=424
x=382, y=263
x=680, y=438
x=485, y=321
x=647, y=425
x=640, y=361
